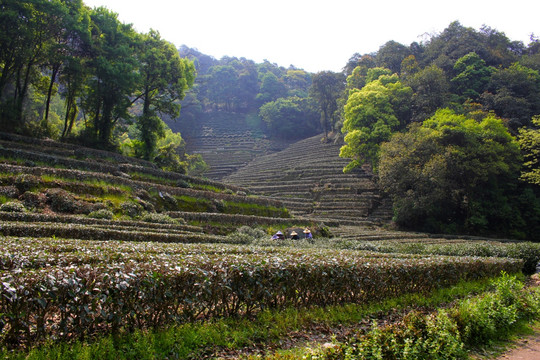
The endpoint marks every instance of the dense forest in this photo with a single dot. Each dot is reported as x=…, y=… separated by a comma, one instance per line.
x=450, y=126
x=79, y=74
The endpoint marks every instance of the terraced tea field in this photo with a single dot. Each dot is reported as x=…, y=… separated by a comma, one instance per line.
x=94, y=244
x=308, y=178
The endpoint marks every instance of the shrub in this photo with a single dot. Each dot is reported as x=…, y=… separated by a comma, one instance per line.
x=26, y=182
x=219, y=205
x=9, y=192
x=131, y=209
x=246, y=235
x=183, y=184
x=12, y=206
x=61, y=200
x=33, y=199
x=101, y=214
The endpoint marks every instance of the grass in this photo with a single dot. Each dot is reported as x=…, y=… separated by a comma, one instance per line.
x=197, y=340
x=255, y=209
x=95, y=182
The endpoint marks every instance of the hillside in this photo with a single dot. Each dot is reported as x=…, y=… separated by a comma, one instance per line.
x=226, y=141
x=51, y=189
x=307, y=177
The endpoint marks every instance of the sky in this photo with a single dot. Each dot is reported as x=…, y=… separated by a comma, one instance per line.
x=316, y=35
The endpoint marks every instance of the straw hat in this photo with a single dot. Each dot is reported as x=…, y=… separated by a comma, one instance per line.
x=306, y=231
x=294, y=233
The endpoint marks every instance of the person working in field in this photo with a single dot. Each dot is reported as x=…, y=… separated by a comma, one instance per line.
x=307, y=234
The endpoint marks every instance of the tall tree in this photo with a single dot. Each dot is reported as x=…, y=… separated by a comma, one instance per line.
x=291, y=118
x=326, y=88
x=472, y=76
x=164, y=79
x=514, y=94
x=391, y=54
x=71, y=42
x=27, y=30
x=114, y=74
x=431, y=92
x=372, y=114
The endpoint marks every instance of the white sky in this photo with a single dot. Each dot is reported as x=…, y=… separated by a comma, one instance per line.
x=316, y=35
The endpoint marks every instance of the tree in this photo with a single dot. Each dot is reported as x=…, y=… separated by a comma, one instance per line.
x=326, y=88
x=114, y=75
x=514, y=94
x=272, y=88
x=456, y=174
x=222, y=84
x=472, y=76
x=529, y=142
x=372, y=114
x=65, y=56
x=27, y=30
x=391, y=54
x=164, y=79
x=291, y=118
x=431, y=92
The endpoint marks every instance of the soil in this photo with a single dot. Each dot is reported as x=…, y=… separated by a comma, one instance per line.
x=527, y=348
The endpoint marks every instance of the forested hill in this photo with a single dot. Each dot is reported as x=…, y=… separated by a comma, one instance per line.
x=449, y=125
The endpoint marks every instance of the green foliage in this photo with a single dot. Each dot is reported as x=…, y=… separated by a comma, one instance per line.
x=472, y=76
x=12, y=206
x=101, y=214
x=291, y=117
x=529, y=142
x=446, y=334
x=158, y=218
x=372, y=114
x=514, y=94
x=453, y=173
x=431, y=91
x=327, y=87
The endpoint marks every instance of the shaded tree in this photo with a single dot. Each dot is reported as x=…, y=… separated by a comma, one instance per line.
x=326, y=88
x=431, y=92
x=164, y=79
x=114, y=75
x=291, y=118
x=391, y=55
x=514, y=94
x=472, y=76
x=455, y=174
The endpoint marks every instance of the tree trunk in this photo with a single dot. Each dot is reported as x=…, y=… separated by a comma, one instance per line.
x=56, y=68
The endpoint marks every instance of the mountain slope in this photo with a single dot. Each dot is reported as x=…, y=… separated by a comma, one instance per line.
x=307, y=177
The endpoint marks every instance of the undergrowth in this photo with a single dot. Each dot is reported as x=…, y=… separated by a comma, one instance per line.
x=444, y=334
x=205, y=339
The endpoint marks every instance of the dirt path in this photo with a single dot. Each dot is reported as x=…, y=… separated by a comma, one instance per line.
x=527, y=348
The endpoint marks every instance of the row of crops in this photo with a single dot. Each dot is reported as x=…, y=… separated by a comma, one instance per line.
x=71, y=289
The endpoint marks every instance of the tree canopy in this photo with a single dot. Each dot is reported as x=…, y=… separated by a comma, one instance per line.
x=106, y=73
x=453, y=173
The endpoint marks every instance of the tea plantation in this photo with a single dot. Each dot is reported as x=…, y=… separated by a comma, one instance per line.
x=94, y=245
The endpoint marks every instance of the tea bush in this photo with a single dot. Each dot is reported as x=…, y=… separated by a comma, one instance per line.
x=101, y=214
x=160, y=218
x=12, y=206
